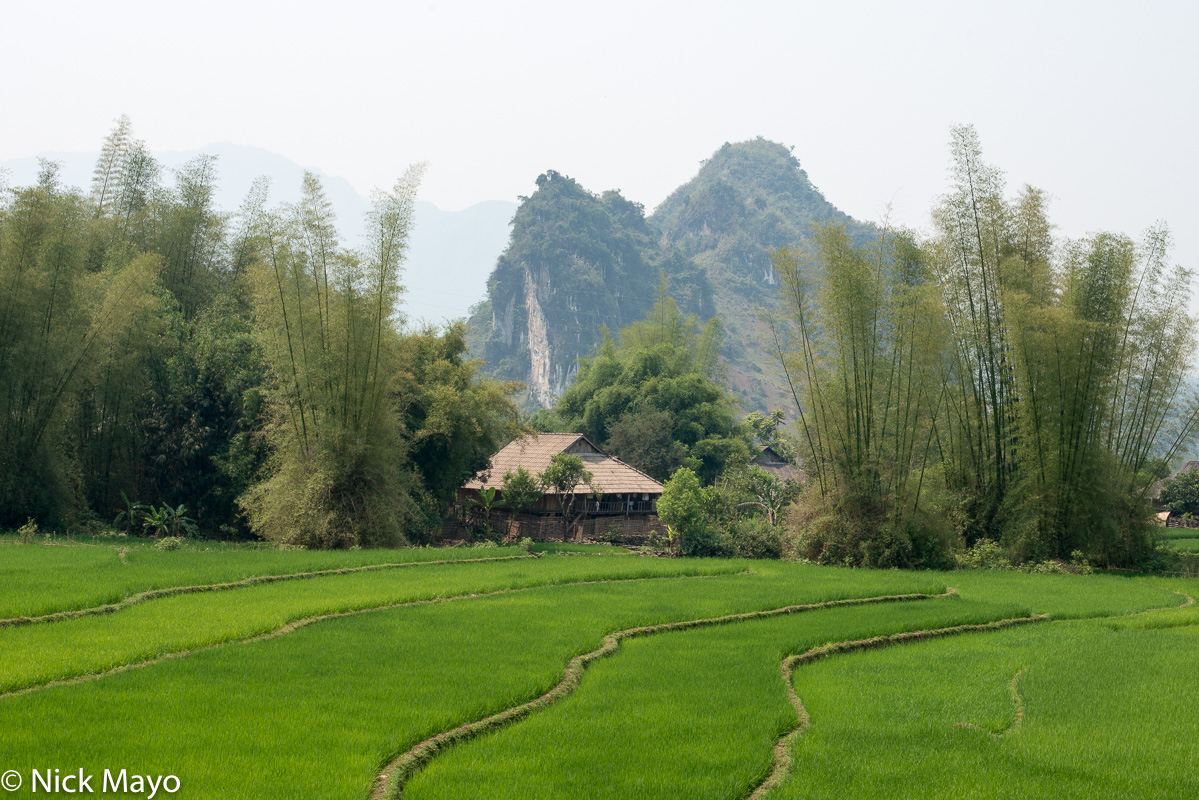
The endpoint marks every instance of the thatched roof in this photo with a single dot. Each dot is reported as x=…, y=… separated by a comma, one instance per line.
x=609, y=475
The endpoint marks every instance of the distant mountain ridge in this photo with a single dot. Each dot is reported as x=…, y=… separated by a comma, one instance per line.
x=451, y=253
x=578, y=261
x=540, y=281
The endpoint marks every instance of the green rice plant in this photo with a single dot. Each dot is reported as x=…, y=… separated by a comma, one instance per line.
x=31, y=655
x=1167, y=618
x=1063, y=596
x=690, y=714
x=1071, y=709
x=696, y=714
x=571, y=547
x=1185, y=613
x=1177, y=533
x=1183, y=587
x=1189, y=545
x=316, y=713
x=42, y=580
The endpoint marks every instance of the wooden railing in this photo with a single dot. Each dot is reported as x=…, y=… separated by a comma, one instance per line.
x=617, y=506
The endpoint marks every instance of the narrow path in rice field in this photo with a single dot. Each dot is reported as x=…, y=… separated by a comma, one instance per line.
x=328, y=705
x=156, y=594
x=1017, y=709
x=688, y=715
x=46, y=580
x=87, y=649
x=396, y=774
x=1099, y=707
x=782, y=762
x=782, y=759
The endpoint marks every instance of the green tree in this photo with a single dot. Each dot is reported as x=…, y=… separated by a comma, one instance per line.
x=769, y=429
x=453, y=417
x=1032, y=387
x=681, y=506
x=563, y=476
x=520, y=489
x=1180, y=494
x=653, y=397
x=862, y=348
x=60, y=321
x=339, y=473
x=156, y=348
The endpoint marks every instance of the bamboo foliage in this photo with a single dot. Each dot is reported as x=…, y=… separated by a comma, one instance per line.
x=327, y=318
x=1043, y=382
x=864, y=359
x=974, y=231
x=58, y=319
x=156, y=347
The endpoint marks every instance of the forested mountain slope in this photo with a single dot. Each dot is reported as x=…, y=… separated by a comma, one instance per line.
x=576, y=263
x=747, y=199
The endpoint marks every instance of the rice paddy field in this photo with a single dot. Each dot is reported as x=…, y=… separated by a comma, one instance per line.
x=1185, y=539
x=571, y=672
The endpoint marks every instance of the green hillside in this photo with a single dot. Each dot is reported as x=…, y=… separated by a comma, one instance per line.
x=576, y=262
x=747, y=199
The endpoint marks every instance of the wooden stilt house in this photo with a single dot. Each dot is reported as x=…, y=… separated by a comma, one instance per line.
x=618, y=496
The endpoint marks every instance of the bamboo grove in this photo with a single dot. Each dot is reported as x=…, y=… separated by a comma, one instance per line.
x=985, y=382
x=247, y=366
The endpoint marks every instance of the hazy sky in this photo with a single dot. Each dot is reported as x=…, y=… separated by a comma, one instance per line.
x=1094, y=101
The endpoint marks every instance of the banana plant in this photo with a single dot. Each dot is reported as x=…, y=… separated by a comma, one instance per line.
x=168, y=521
x=130, y=515
x=486, y=501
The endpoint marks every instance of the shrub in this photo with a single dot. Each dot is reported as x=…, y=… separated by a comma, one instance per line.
x=701, y=540
x=1186, y=563
x=1180, y=494
x=753, y=537
x=1050, y=566
x=681, y=507
x=663, y=542
x=169, y=543
x=984, y=554
x=27, y=531
x=520, y=490
x=853, y=530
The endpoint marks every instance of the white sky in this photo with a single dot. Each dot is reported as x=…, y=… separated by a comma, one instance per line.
x=1093, y=101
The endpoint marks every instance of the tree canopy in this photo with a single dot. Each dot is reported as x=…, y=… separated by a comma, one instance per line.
x=652, y=397
x=247, y=367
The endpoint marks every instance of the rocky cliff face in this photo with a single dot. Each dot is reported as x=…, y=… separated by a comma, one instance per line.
x=576, y=263
x=579, y=262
